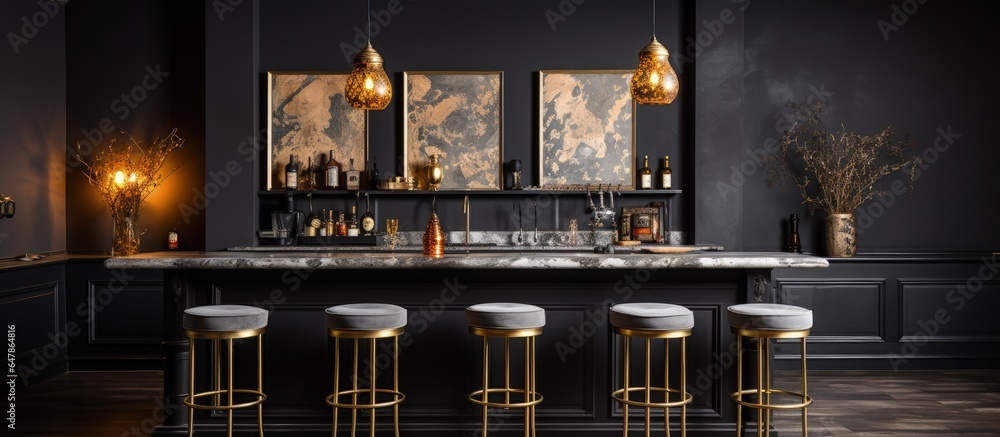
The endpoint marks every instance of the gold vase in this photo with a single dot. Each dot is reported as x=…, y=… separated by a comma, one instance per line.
x=841, y=235
x=435, y=173
x=434, y=238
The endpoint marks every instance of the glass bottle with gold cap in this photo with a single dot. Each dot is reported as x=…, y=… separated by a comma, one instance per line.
x=645, y=175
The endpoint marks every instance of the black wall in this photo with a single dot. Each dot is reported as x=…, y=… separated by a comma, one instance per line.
x=153, y=52
x=925, y=77
x=515, y=37
x=33, y=120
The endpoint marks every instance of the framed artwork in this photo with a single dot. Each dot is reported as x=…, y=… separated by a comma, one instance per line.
x=586, y=122
x=308, y=116
x=457, y=115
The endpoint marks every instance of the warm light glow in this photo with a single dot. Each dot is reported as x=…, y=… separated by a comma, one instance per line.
x=368, y=87
x=120, y=178
x=654, y=81
x=132, y=178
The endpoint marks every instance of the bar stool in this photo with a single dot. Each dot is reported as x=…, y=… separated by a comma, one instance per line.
x=217, y=323
x=370, y=321
x=649, y=321
x=764, y=321
x=507, y=321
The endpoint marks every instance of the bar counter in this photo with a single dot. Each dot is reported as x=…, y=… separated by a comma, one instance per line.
x=578, y=358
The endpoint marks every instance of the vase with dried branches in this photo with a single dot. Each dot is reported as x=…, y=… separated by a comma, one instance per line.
x=837, y=172
x=124, y=174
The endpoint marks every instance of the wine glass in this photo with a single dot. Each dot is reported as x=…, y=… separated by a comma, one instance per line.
x=391, y=227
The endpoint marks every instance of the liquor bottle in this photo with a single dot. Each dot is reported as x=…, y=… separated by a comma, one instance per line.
x=666, y=180
x=645, y=175
x=794, y=244
x=373, y=176
x=330, y=224
x=353, y=177
x=352, y=225
x=172, y=240
x=341, y=226
x=313, y=223
x=331, y=173
x=368, y=220
x=291, y=174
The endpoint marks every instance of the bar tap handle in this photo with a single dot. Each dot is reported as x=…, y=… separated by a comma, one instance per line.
x=536, y=219
x=600, y=194
x=520, y=224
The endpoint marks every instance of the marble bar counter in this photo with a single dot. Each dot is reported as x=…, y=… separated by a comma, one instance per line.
x=578, y=357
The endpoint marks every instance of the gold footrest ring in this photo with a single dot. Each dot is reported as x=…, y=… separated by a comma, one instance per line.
x=189, y=400
x=617, y=395
x=476, y=397
x=333, y=400
x=753, y=392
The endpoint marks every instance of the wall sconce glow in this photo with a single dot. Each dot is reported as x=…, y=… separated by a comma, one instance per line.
x=655, y=81
x=368, y=86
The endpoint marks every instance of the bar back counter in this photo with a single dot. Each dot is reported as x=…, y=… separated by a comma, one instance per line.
x=577, y=357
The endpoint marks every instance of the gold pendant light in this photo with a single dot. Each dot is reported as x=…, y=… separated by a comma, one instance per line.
x=368, y=87
x=654, y=81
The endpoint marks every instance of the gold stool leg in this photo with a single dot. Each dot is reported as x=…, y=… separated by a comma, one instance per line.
x=486, y=380
x=627, y=351
x=190, y=396
x=739, y=385
x=336, y=381
x=648, y=384
x=534, y=377
x=395, y=381
x=229, y=374
x=217, y=348
x=805, y=415
x=372, y=385
x=684, y=386
x=527, y=383
x=506, y=369
x=666, y=384
x=760, y=387
x=354, y=394
x=260, y=384
x=767, y=385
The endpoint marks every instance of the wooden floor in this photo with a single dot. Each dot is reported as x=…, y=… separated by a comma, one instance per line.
x=112, y=404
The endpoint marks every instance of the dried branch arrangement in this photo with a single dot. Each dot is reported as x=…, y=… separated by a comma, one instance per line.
x=124, y=174
x=836, y=172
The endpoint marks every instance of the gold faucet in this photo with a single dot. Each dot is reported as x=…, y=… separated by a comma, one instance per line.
x=468, y=214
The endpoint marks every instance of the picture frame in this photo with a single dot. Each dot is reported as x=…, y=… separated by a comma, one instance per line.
x=643, y=225
x=600, y=147
x=459, y=116
x=308, y=116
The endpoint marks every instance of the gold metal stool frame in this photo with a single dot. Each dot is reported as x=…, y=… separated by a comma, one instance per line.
x=531, y=396
x=373, y=391
x=217, y=337
x=622, y=395
x=764, y=389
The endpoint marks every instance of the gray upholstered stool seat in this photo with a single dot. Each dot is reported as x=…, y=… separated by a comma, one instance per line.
x=770, y=316
x=224, y=318
x=365, y=316
x=505, y=315
x=652, y=316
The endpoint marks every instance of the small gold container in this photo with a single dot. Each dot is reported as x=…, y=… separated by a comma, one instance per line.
x=435, y=173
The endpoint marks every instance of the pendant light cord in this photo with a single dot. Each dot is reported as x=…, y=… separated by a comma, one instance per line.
x=369, y=13
x=654, y=20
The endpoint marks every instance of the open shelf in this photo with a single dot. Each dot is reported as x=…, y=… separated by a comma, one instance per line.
x=280, y=192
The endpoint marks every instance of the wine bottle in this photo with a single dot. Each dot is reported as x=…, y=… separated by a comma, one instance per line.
x=291, y=174
x=645, y=175
x=373, y=176
x=794, y=244
x=666, y=179
x=331, y=173
x=368, y=220
x=330, y=225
